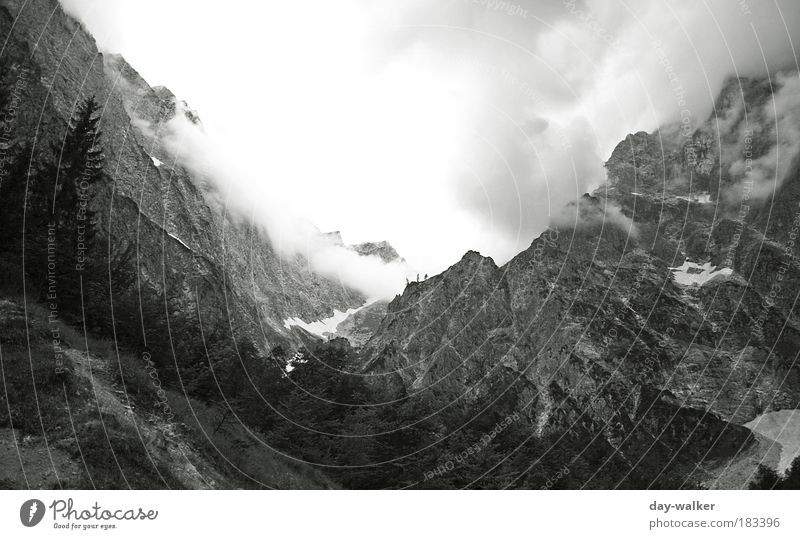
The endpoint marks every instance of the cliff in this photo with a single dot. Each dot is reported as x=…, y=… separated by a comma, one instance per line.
x=647, y=311
x=185, y=240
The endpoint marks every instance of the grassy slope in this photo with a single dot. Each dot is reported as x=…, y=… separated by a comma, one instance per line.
x=94, y=421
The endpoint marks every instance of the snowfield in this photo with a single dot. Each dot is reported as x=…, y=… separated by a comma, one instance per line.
x=325, y=327
x=784, y=427
x=692, y=273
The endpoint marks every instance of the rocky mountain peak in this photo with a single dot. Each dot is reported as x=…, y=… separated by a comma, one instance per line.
x=381, y=249
x=631, y=309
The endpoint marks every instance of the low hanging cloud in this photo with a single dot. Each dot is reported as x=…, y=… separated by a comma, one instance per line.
x=597, y=212
x=566, y=80
x=290, y=233
x=438, y=125
x=779, y=122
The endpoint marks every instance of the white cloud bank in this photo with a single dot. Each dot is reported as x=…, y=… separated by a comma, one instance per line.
x=439, y=125
x=239, y=190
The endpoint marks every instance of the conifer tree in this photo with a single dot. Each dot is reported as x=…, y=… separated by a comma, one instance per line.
x=76, y=175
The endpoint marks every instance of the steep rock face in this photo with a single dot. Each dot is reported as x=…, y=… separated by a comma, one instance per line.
x=442, y=324
x=185, y=241
x=591, y=324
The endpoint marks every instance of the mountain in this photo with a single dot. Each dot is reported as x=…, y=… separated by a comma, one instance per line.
x=647, y=312
x=358, y=324
x=140, y=366
x=187, y=241
x=629, y=346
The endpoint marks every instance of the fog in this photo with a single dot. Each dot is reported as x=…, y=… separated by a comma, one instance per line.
x=438, y=125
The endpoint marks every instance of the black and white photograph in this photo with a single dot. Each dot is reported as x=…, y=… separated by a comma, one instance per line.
x=399, y=245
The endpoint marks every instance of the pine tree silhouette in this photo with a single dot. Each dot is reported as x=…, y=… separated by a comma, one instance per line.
x=74, y=178
x=78, y=170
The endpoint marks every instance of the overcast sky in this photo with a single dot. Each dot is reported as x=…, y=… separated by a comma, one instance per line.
x=439, y=125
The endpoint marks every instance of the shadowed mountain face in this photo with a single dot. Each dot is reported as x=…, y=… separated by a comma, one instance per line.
x=648, y=311
x=186, y=242
x=175, y=287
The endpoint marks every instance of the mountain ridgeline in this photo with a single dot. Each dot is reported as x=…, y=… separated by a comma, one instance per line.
x=657, y=314
x=627, y=347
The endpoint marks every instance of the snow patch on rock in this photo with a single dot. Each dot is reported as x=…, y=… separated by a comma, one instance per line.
x=700, y=198
x=299, y=357
x=325, y=327
x=692, y=273
x=703, y=198
x=784, y=427
x=176, y=238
